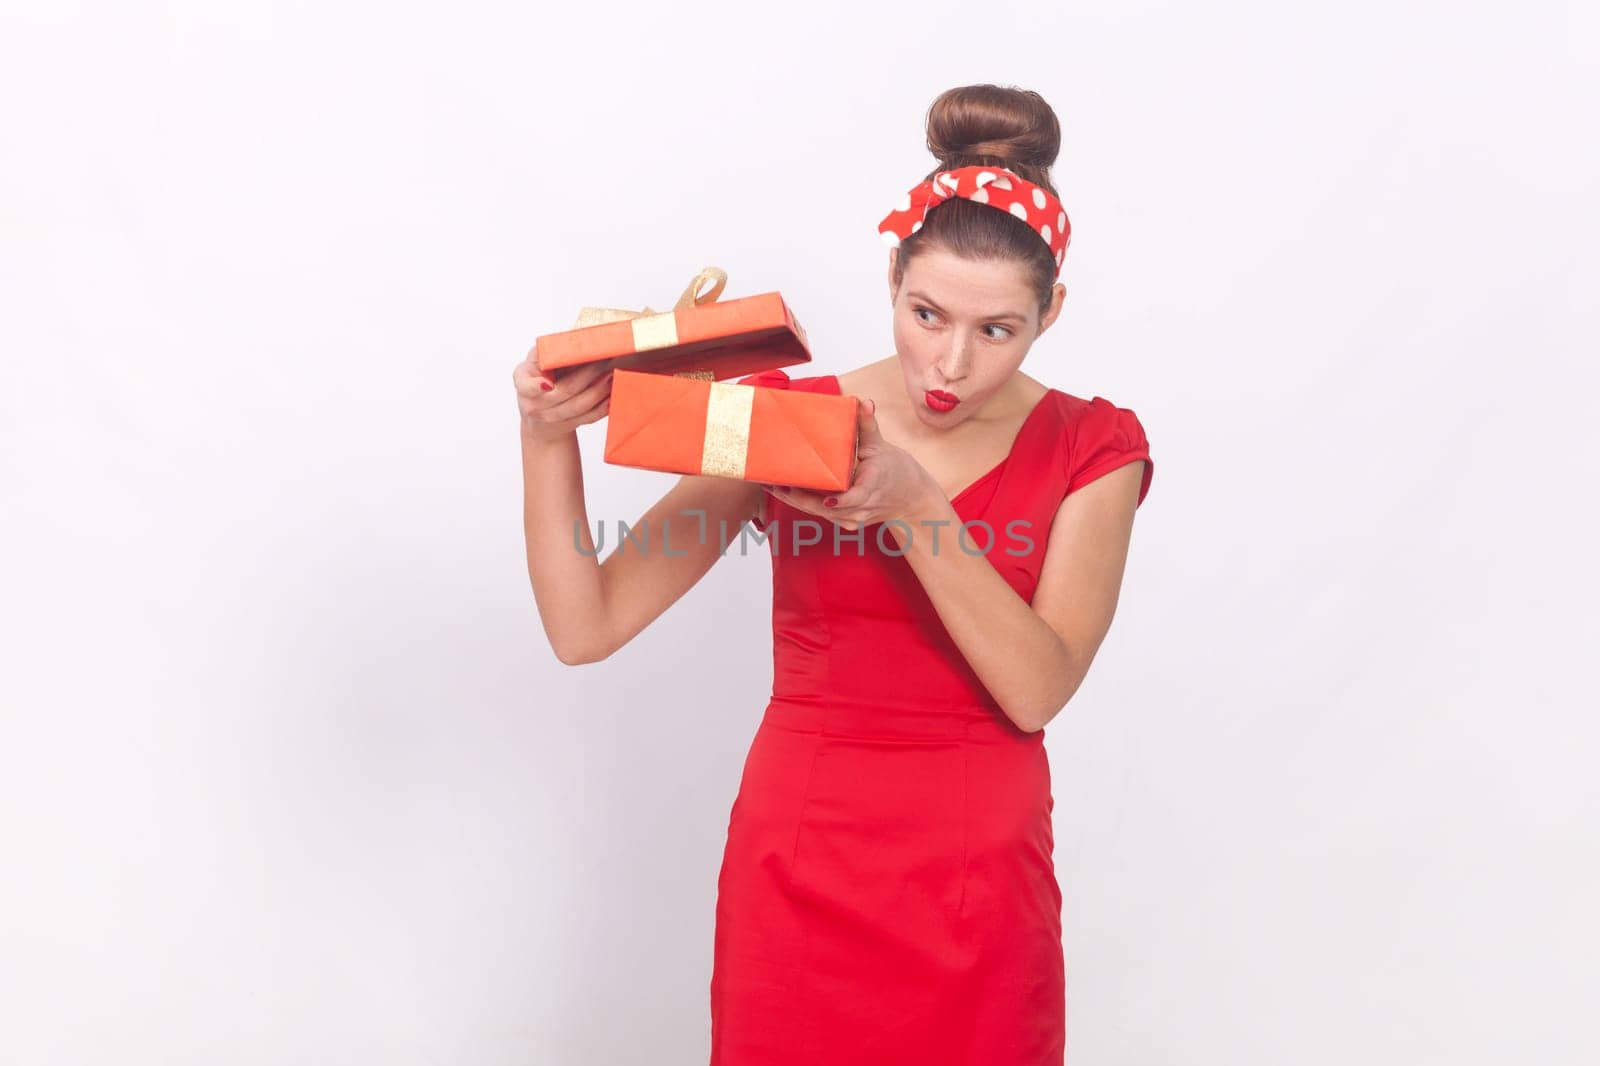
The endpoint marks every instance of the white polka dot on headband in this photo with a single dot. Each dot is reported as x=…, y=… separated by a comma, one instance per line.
x=995, y=186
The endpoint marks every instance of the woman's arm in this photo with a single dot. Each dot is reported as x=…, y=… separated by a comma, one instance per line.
x=1032, y=658
x=589, y=609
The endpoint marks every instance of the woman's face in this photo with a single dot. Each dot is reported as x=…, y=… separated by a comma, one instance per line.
x=962, y=327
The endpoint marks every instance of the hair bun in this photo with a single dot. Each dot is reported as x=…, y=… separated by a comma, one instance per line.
x=975, y=124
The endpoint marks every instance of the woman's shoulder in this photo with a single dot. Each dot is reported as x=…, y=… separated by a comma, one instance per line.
x=1092, y=413
x=1097, y=436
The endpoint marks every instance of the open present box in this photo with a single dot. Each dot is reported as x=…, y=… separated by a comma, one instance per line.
x=672, y=410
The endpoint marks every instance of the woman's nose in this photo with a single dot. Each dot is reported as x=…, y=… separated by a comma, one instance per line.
x=953, y=367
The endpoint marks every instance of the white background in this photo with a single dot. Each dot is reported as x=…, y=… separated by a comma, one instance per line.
x=287, y=770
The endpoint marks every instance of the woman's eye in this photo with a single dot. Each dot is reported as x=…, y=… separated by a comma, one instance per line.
x=1005, y=334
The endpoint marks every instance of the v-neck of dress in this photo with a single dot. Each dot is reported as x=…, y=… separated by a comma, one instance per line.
x=1001, y=465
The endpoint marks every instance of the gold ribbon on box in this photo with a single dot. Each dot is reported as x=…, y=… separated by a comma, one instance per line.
x=727, y=440
x=658, y=329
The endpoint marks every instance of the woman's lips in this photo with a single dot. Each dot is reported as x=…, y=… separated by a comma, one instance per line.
x=940, y=400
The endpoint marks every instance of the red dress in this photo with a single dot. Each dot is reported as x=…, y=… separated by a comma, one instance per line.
x=887, y=892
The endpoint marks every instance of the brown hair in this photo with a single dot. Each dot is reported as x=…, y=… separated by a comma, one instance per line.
x=989, y=125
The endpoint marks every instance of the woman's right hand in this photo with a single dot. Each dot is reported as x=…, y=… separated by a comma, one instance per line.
x=553, y=408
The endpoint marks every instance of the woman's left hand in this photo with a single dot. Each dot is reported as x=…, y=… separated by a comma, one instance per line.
x=889, y=482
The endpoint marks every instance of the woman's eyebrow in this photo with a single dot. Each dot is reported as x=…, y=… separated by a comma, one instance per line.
x=924, y=298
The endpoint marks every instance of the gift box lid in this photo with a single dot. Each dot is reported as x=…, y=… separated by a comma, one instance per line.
x=700, y=336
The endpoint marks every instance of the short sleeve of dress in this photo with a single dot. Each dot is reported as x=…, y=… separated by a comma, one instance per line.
x=769, y=379
x=1102, y=438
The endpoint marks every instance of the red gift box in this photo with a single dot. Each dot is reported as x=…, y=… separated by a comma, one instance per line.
x=730, y=338
x=672, y=409
x=691, y=425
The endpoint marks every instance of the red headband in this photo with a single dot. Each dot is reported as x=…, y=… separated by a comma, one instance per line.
x=995, y=186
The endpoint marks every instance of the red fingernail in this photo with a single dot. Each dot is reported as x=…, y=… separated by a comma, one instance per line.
x=546, y=386
x=830, y=502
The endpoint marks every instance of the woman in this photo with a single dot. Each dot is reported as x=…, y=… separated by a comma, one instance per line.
x=887, y=892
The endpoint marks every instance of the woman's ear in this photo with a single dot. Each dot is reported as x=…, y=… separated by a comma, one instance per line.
x=1054, y=310
x=894, y=257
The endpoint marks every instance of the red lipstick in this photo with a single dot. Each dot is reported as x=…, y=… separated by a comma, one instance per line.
x=940, y=400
